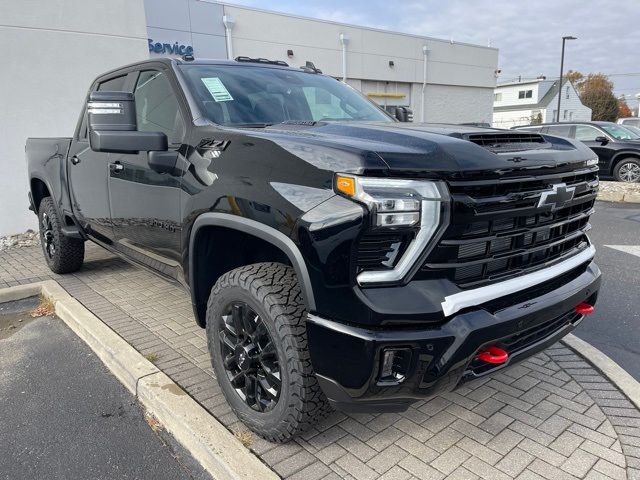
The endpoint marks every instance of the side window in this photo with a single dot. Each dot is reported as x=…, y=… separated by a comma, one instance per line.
x=113, y=85
x=157, y=106
x=560, y=130
x=531, y=129
x=585, y=133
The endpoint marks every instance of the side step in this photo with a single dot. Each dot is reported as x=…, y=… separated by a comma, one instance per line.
x=72, y=232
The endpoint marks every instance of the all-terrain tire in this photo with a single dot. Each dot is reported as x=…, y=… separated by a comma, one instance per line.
x=271, y=290
x=627, y=170
x=62, y=254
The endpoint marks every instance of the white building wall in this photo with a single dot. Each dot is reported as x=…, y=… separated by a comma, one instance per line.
x=512, y=118
x=57, y=49
x=467, y=71
x=576, y=111
x=189, y=22
x=456, y=104
x=509, y=95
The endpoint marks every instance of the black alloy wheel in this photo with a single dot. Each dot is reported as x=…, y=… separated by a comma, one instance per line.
x=249, y=357
x=46, y=231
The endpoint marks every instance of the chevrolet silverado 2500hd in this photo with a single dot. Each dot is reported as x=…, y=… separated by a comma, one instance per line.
x=335, y=256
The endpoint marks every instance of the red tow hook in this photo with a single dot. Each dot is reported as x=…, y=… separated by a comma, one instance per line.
x=494, y=355
x=584, y=309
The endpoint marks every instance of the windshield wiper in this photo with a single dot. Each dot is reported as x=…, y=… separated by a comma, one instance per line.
x=251, y=125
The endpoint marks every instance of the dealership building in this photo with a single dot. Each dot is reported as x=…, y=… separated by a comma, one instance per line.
x=65, y=44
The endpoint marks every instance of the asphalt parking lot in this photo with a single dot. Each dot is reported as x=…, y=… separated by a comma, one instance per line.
x=615, y=326
x=65, y=416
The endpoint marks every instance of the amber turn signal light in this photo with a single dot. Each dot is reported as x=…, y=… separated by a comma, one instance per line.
x=346, y=185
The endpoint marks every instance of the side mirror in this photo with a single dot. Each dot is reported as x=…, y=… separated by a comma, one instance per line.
x=112, y=125
x=602, y=140
x=404, y=114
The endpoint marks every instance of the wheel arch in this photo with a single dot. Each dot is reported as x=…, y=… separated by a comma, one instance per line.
x=618, y=157
x=39, y=190
x=267, y=244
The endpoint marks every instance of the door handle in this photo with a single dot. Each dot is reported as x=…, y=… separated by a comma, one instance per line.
x=116, y=167
x=75, y=160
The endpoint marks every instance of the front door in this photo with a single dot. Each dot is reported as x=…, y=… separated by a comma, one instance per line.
x=145, y=205
x=588, y=134
x=88, y=173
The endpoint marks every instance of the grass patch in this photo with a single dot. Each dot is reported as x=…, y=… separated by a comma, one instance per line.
x=152, y=357
x=46, y=307
x=245, y=437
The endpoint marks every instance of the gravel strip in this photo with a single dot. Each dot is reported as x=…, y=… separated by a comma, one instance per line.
x=20, y=240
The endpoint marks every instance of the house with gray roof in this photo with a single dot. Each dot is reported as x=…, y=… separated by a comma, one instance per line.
x=526, y=102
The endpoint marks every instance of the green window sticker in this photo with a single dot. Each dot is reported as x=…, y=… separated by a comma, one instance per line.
x=217, y=89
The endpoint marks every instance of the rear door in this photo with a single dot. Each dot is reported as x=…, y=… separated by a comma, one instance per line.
x=145, y=205
x=88, y=174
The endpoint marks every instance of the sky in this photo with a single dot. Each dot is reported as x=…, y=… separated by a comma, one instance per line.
x=528, y=34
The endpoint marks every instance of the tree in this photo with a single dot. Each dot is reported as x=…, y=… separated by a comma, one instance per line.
x=623, y=109
x=596, y=92
x=574, y=77
x=536, y=118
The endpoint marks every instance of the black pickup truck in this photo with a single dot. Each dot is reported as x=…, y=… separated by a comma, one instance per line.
x=335, y=256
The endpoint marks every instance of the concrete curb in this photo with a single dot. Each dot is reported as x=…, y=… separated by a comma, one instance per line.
x=208, y=441
x=620, y=197
x=610, y=369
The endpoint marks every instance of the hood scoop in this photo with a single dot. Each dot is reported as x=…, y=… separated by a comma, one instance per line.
x=508, y=142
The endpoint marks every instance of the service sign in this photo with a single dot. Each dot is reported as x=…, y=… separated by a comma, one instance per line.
x=174, y=48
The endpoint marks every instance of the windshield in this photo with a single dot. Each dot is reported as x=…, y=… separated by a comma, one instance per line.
x=244, y=95
x=619, y=132
x=635, y=130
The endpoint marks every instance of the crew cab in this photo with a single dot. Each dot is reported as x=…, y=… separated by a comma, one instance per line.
x=336, y=257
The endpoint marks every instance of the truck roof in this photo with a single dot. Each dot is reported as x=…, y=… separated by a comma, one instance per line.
x=202, y=61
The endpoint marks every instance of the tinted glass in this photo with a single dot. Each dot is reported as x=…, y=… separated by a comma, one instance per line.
x=113, y=85
x=257, y=96
x=631, y=121
x=585, y=133
x=157, y=106
x=559, y=130
x=619, y=132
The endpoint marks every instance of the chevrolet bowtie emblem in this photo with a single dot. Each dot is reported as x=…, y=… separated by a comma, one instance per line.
x=557, y=197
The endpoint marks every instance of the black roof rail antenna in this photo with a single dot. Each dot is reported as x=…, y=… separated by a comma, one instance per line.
x=309, y=67
x=187, y=57
x=261, y=60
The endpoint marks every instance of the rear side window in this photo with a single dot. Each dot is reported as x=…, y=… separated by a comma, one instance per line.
x=157, y=107
x=560, y=130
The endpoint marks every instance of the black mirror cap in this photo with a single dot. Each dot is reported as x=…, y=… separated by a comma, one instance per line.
x=111, y=111
x=404, y=114
x=602, y=140
x=118, y=141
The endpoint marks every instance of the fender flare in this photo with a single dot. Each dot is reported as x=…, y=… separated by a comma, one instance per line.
x=35, y=176
x=622, y=154
x=262, y=231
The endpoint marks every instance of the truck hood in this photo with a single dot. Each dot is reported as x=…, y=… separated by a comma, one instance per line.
x=423, y=149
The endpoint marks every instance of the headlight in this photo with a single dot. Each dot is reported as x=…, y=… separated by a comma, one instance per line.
x=394, y=204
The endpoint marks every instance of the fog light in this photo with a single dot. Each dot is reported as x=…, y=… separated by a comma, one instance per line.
x=395, y=365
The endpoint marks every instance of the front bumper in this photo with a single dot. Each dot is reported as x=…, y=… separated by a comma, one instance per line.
x=348, y=359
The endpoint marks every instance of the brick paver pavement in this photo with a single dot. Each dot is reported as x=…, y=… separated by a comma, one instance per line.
x=552, y=416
